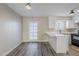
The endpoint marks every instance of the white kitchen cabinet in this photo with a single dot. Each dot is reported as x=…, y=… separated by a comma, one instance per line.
x=59, y=42
x=76, y=18
x=53, y=43
x=70, y=24
x=51, y=22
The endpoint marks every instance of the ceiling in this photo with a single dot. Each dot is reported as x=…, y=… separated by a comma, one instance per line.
x=44, y=9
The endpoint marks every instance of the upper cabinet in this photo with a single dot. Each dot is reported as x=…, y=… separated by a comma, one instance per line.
x=51, y=22
x=76, y=18
x=70, y=24
x=61, y=23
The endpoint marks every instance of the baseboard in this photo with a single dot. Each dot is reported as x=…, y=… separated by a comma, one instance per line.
x=11, y=49
x=36, y=41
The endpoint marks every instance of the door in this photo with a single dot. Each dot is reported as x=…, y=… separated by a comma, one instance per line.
x=33, y=30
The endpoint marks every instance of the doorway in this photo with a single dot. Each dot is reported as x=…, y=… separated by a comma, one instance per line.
x=33, y=30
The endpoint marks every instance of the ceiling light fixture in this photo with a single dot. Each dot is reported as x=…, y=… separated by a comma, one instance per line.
x=72, y=12
x=28, y=6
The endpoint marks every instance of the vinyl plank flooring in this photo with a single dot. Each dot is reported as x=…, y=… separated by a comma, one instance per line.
x=41, y=49
x=73, y=50
x=32, y=49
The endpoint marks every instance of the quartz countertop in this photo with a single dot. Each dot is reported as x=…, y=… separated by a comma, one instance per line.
x=55, y=34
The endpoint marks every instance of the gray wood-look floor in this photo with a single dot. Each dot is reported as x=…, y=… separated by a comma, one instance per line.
x=33, y=49
x=41, y=49
x=73, y=50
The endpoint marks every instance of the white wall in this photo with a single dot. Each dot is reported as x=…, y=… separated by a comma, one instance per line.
x=10, y=29
x=42, y=27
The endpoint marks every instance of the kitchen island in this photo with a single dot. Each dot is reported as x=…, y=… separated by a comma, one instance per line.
x=59, y=42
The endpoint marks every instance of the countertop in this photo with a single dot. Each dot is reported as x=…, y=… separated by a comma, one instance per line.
x=55, y=34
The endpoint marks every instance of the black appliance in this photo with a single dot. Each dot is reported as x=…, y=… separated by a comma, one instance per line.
x=75, y=39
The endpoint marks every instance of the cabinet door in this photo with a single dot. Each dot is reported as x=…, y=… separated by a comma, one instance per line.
x=76, y=18
x=70, y=24
x=51, y=22
x=53, y=42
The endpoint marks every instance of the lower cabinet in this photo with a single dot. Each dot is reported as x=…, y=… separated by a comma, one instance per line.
x=52, y=42
x=59, y=43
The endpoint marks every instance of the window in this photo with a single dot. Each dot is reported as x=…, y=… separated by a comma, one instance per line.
x=33, y=30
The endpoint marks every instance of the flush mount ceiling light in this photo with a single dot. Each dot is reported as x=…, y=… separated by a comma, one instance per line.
x=72, y=12
x=28, y=6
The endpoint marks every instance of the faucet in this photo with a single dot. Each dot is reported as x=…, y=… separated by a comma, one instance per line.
x=59, y=31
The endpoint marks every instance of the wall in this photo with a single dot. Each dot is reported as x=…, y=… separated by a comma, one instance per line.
x=42, y=27
x=10, y=29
